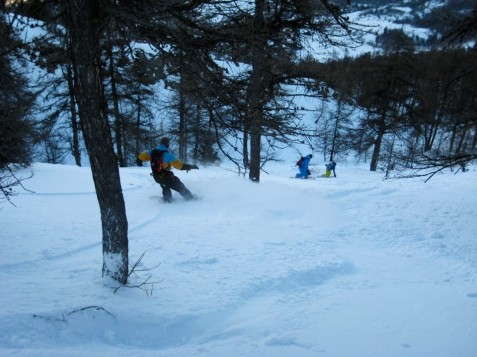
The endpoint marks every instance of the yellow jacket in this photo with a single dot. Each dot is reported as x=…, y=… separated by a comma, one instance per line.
x=168, y=160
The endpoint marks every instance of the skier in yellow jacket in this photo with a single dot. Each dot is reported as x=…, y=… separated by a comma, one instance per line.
x=162, y=161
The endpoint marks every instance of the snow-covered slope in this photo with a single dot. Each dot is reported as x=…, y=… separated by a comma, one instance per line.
x=352, y=266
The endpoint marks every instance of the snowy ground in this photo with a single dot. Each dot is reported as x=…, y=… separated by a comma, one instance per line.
x=352, y=266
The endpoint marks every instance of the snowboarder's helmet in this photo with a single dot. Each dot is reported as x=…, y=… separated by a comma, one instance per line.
x=165, y=141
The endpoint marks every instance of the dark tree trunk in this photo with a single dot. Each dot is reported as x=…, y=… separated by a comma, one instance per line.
x=195, y=153
x=84, y=17
x=118, y=124
x=138, y=123
x=255, y=149
x=377, y=144
x=335, y=131
x=256, y=93
x=182, y=128
x=74, y=116
x=182, y=115
x=246, y=159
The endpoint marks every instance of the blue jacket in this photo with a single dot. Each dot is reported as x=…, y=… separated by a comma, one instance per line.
x=331, y=166
x=304, y=167
x=168, y=159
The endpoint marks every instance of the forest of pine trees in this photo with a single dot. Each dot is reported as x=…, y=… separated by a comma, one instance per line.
x=108, y=78
x=164, y=71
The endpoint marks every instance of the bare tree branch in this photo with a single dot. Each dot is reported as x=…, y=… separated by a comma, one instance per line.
x=430, y=164
x=145, y=285
x=8, y=181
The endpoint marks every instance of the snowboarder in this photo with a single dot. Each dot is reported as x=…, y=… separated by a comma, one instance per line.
x=303, y=167
x=162, y=162
x=330, y=167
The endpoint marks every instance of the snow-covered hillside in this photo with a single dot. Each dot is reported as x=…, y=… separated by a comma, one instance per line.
x=352, y=266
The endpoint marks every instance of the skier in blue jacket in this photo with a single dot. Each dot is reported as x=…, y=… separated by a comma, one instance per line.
x=162, y=161
x=303, y=167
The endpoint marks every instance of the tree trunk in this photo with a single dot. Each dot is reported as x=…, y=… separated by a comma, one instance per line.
x=255, y=149
x=377, y=144
x=137, y=148
x=182, y=116
x=118, y=125
x=256, y=93
x=246, y=160
x=335, y=131
x=195, y=153
x=84, y=18
x=74, y=116
x=182, y=128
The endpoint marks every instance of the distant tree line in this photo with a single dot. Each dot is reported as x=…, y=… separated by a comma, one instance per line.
x=411, y=106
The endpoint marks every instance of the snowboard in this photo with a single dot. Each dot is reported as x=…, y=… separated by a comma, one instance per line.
x=178, y=199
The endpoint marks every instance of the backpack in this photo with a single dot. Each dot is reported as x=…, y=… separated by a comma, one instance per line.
x=299, y=162
x=156, y=161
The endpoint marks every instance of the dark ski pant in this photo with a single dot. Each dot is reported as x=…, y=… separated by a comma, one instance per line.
x=168, y=182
